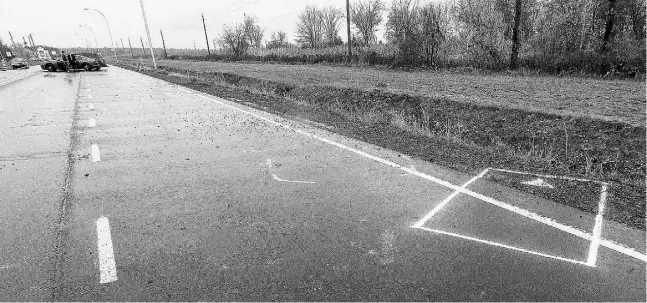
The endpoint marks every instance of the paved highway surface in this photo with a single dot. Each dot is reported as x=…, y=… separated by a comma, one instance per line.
x=120, y=187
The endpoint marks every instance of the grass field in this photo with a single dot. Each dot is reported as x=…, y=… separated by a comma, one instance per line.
x=610, y=100
x=561, y=126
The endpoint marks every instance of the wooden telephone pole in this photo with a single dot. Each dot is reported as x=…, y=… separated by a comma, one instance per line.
x=350, y=48
x=205, y=35
x=131, y=48
x=164, y=45
x=143, y=48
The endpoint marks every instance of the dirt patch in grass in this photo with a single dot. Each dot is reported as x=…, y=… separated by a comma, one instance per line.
x=464, y=136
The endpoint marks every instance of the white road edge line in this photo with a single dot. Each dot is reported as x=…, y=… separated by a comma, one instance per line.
x=96, y=156
x=107, y=267
x=92, y=122
x=442, y=204
x=597, y=229
x=550, y=222
x=502, y=245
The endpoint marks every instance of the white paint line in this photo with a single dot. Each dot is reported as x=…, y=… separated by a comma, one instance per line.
x=597, y=229
x=502, y=245
x=623, y=249
x=406, y=174
x=405, y=156
x=288, y=181
x=442, y=204
x=89, y=96
x=96, y=157
x=275, y=177
x=91, y=106
x=550, y=222
x=107, y=267
x=92, y=122
x=545, y=176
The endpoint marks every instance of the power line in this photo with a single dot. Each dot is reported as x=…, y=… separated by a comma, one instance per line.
x=240, y=8
x=293, y=12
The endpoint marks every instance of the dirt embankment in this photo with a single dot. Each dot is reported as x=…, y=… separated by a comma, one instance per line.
x=464, y=136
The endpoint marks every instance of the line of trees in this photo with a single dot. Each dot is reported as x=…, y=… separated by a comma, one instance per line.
x=591, y=35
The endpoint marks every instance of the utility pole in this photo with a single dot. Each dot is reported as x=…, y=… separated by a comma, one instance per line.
x=13, y=43
x=205, y=35
x=122, y=45
x=350, y=48
x=150, y=44
x=143, y=48
x=164, y=45
x=131, y=48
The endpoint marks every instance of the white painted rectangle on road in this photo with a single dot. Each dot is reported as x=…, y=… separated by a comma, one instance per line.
x=92, y=122
x=91, y=106
x=96, y=157
x=107, y=266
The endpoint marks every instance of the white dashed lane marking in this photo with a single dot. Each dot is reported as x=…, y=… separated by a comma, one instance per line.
x=96, y=156
x=107, y=266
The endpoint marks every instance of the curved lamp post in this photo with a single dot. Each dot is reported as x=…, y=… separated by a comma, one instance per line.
x=95, y=36
x=109, y=32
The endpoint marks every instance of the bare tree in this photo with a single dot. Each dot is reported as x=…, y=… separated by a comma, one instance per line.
x=366, y=16
x=310, y=27
x=402, y=29
x=433, y=30
x=278, y=40
x=234, y=39
x=331, y=18
x=253, y=32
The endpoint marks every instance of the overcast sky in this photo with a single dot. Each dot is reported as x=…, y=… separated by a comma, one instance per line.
x=56, y=23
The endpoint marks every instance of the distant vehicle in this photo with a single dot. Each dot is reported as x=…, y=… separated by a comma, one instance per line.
x=82, y=62
x=19, y=63
x=98, y=56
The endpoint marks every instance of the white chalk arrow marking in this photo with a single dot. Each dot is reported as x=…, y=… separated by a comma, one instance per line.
x=539, y=182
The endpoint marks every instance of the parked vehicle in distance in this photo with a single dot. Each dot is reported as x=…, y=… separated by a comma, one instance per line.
x=98, y=56
x=82, y=62
x=19, y=63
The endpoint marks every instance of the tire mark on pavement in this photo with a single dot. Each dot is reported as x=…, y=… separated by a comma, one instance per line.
x=64, y=202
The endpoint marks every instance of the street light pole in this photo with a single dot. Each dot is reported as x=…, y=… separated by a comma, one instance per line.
x=112, y=42
x=93, y=34
x=150, y=44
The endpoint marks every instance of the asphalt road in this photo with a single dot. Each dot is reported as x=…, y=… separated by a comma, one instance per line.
x=121, y=187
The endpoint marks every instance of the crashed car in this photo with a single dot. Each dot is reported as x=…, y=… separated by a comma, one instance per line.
x=98, y=56
x=82, y=62
x=19, y=63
